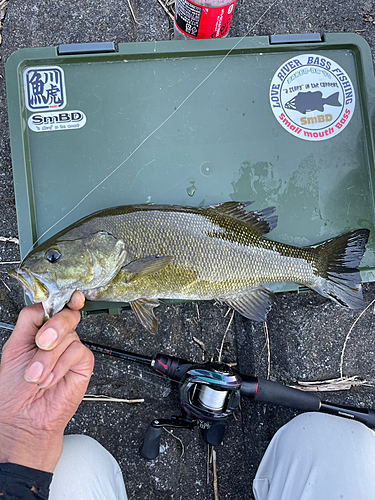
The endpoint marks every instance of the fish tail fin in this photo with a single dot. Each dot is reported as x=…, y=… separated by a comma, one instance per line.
x=338, y=261
x=333, y=100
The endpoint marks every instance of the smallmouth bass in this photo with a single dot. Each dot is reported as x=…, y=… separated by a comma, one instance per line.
x=142, y=253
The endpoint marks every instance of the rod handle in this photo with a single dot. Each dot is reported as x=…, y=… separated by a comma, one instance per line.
x=267, y=391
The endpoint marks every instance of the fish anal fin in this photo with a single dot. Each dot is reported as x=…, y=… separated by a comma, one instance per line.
x=261, y=220
x=144, y=310
x=255, y=304
x=145, y=266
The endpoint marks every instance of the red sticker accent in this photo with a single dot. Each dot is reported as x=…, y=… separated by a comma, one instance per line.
x=163, y=365
x=197, y=21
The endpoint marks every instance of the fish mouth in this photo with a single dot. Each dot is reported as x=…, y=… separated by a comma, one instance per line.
x=35, y=289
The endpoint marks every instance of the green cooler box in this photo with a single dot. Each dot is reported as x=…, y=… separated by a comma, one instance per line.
x=283, y=121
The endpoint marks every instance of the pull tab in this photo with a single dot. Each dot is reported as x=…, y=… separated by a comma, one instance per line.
x=85, y=48
x=295, y=38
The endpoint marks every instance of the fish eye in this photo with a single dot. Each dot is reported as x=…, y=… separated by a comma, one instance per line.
x=52, y=255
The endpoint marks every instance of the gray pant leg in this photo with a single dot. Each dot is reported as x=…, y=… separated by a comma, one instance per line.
x=86, y=471
x=318, y=457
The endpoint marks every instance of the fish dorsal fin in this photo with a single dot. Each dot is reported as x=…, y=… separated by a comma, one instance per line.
x=255, y=304
x=144, y=310
x=145, y=266
x=261, y=220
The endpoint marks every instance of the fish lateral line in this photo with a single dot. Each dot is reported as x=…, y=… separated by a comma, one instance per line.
x=207, y=253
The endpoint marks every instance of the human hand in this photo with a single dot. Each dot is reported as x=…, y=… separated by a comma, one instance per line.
x=44, y=374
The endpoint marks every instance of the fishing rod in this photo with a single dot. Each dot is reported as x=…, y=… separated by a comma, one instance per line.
x=210, y=392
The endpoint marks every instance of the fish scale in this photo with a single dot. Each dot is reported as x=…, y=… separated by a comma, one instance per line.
x=141, y=253
x=219, y=262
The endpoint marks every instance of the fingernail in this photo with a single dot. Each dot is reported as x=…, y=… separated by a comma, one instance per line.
x=34, y=372
x=47, y=338
x=47, y=382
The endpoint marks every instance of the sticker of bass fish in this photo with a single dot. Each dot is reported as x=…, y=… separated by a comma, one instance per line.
x=142, y=253
x=312, y=101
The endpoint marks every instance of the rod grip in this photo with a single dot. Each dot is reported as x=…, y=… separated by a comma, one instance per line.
x=272, y=392
x=151, y=443
x=267, y=391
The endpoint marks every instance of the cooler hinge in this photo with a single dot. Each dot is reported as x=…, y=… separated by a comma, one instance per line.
x=85, y=48
x=295, y=38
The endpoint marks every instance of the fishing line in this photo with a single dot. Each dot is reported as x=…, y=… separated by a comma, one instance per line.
x=209, y=397
x=153, y=374
x=10, y=327
x=156, y=129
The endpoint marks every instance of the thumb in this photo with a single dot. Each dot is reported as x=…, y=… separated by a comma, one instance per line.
x=28, y=323
x=30, y=320
x=77, y=301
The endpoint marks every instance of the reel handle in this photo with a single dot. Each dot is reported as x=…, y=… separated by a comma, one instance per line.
x=151, y=442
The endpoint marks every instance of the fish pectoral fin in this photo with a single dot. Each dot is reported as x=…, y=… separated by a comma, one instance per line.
x=143, y=267
x=260, y=220
x=144, y=310
x=255, y=304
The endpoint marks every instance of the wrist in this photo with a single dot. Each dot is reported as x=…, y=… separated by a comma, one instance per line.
x=36, y=450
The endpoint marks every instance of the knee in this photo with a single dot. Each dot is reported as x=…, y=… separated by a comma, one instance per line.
x=85, y=453
x=81, y=443
x=312, y=429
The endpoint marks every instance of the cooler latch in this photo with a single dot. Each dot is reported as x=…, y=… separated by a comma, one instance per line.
x=85, y=48
x=295, y=38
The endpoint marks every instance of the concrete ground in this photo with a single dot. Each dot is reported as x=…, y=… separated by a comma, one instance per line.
x=306, y=331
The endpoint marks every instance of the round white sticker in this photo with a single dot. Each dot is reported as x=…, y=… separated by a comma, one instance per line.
x=312, y=97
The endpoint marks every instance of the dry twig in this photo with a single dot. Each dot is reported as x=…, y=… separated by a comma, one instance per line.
x=178, y=439
x=133, y=15
x=166, y=10
x=3, y=9
x=6, y=286
x=201, y=345
x=228, y=311
x=335, y=384
x=369, y=18
x=109, y=399
x=11, y=240
x=214, y=468
x=265, y=328
x=225, y=334
x=348, y=335
x=208, y=463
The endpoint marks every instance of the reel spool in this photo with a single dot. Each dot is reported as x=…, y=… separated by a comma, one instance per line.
x=210, y=391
